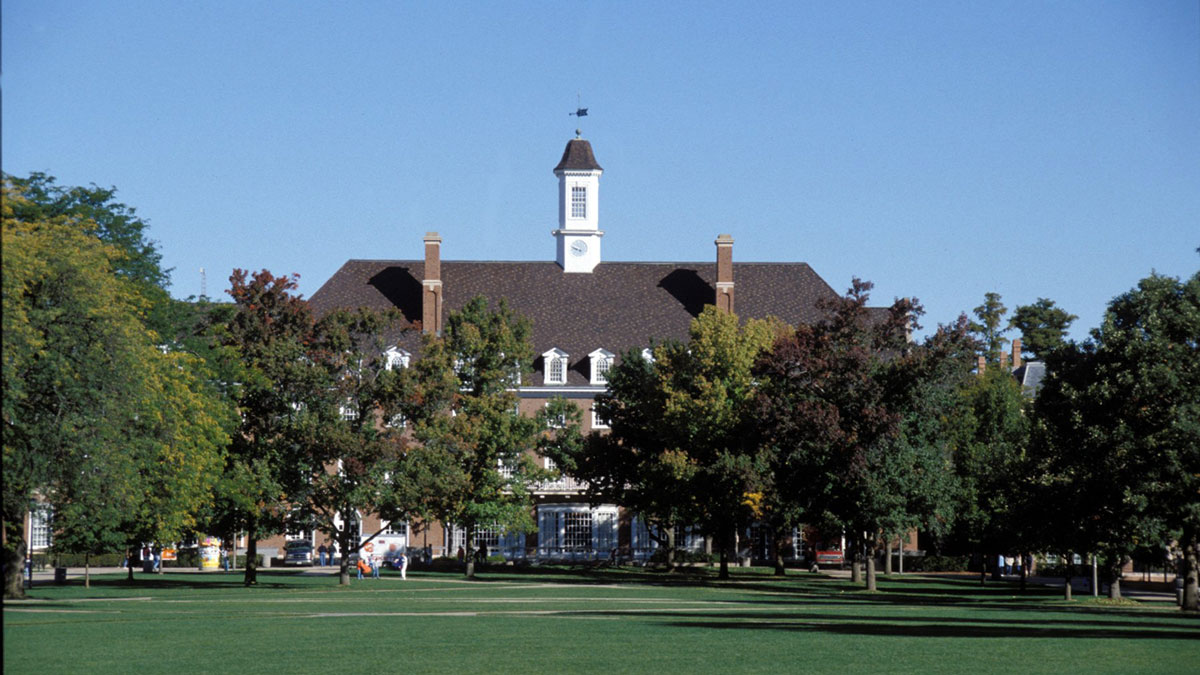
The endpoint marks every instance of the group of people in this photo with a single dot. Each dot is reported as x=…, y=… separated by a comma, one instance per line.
x=371, y=562
x=326, y=554
x=151, y=558
x=1008, y=565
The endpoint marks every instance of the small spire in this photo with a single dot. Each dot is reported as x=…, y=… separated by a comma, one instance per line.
x=578, y=134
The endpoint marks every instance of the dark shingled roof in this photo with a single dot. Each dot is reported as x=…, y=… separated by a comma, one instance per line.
x=619, y=306
x=578, y=156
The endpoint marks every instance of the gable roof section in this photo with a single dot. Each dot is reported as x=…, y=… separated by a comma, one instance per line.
x=619, y=306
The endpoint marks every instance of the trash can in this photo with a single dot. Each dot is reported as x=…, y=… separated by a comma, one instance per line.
x=148, y=565
x=60, y=575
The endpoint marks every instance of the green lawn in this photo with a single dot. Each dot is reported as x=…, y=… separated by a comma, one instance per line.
x=560, y=621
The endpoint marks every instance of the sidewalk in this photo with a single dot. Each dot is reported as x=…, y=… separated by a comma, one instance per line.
x=46, y=576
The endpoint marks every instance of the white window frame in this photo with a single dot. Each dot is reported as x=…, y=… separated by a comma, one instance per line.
x=648, y=355
x=506, y=468
x=598, y=422
x=395, y=528
x=579, y=202
x=551, y=358
x=41, y=526
x=396, y=358
x=348, y=411
x=602, y=360
x=555, y=421
x=553, y=521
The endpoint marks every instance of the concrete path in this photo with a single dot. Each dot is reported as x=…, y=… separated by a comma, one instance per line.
x=1079, y=585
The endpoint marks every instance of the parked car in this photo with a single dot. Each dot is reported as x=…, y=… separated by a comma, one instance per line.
x=298, y=553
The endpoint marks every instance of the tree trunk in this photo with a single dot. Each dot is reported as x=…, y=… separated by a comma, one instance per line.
x=251, y=576
x=887, y=562
x=1190, y=599
x=671, y=547
x=14, y=569
x=87, y=570
x=777, y=551
x=1067, y=565
x=725, y=537
x=872, y=584
x=470, y=573
x=129, y=564
x=344, y=563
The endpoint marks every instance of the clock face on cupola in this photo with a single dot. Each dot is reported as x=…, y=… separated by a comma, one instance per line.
x=577, y=238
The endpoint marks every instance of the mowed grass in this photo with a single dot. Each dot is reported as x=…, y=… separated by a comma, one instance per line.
x=610, y=621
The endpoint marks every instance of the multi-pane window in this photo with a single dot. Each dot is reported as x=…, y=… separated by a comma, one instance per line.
x=555, y=366
x=577, y=531
x=578, y=201
x=349, y=411
x=489, y=537
x=556, y=421
x=396, y=527
x=602, y=365
x=299, y=529
x=505, y=467
x=598, y=420
x=397, y=358
x=40, y=518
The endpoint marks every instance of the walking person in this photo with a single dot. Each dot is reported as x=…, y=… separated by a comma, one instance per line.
x=376, y=563
x=321, y=554
x=402, y=562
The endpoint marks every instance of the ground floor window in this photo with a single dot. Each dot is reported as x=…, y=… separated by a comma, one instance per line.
x=509, y=544
x=576, y=531
x=687, y=538
x=40, y=533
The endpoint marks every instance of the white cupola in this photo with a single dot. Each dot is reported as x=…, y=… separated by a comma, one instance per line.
x=578, y=235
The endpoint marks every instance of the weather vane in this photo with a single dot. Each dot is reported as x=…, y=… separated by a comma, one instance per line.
x=579, y=112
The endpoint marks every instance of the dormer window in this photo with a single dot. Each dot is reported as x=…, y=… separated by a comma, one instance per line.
x=396, y=358
x=555, y=366
x=602, y=361
x=648, y=355
x=578, y=201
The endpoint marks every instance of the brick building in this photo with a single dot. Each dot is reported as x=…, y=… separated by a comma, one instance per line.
x=585, y=312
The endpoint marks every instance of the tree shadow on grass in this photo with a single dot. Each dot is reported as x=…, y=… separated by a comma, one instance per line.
x=950, y=628
x=167, y=580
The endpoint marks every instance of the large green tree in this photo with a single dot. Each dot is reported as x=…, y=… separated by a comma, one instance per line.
x=989, y=326
x=269, y=333
x=1121, y=425
x=992, y=437
x=681, y=448
x=462, y=406
x=96, y=415
x=351, y=440
x=837, y=399
x=1043, y=326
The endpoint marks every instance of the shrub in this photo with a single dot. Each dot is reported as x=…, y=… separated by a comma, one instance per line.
x=241, y=560
x=935, y=563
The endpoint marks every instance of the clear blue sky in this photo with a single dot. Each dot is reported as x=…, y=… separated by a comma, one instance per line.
x=939, y=149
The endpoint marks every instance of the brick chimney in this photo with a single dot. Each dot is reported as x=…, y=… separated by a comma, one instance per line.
x=724, y=299
x=1003, y=361
x=431, y=296
x=1016, y=353
x=981, y=365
